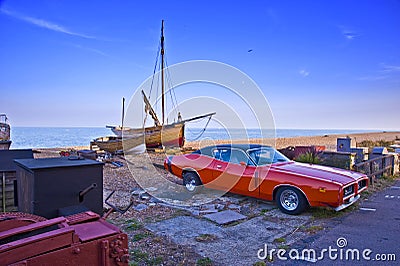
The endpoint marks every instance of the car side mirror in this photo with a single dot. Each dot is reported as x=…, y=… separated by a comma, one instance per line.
x=243, y=163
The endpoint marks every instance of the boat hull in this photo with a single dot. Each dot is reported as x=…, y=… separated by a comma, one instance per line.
x=168, y=135
x=5, y=132
x=109, y=144
x=5, y=144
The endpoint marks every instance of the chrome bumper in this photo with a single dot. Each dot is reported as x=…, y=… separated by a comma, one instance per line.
x=343, y=206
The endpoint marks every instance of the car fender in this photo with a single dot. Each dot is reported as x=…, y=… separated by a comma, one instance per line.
x=190, y=169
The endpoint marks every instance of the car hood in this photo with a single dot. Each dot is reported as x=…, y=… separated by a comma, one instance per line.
x=321, y=172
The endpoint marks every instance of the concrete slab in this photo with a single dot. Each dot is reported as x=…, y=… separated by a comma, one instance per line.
x=233, y=245
x=225, y=217
x=184, y=229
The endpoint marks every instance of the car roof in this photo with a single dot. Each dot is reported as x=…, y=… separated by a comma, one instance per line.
x=208, y=150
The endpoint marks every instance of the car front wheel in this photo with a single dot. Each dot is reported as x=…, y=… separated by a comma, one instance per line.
x=191, y=181
x=290, y=200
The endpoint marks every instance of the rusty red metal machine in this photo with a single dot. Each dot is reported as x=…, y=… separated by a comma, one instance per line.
x=80, y=239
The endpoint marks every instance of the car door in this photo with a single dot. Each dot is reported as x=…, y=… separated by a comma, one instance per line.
x=235, y=172
x=267, y=180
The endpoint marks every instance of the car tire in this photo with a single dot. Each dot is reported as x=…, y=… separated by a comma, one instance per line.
x=192, y=182
x=290, y=200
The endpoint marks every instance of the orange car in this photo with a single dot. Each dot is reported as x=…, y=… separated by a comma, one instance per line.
x=262, y=172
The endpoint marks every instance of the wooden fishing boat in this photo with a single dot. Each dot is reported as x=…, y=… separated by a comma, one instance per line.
x=161, y=134
x=110, y=143
x=167, y=135
x=5, y=130
x=113, y=144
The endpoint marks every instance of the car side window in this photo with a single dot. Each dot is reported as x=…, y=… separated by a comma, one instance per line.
x=266, y=156
x=222, y=154
x=239, y=156
x=231, y=156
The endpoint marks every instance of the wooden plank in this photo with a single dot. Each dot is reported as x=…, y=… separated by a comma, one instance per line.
x=376, y=166
x=8, y=192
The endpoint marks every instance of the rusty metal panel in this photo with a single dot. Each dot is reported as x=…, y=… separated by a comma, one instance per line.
x=25, y=248
x=109, y=251
x=104, y=243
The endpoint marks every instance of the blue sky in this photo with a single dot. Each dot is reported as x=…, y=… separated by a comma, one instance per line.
x=320, y=64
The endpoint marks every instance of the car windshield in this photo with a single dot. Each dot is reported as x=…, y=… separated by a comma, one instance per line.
x=266, y=155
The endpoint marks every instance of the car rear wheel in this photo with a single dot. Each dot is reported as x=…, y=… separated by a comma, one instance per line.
x=290, y=200
x=191, y=181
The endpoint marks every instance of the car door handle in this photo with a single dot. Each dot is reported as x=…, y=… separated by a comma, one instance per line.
x=219, y=166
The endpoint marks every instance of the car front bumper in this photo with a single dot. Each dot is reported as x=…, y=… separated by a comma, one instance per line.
x=350, y=202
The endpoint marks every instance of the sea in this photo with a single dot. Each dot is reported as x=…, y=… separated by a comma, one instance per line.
x=52, y=137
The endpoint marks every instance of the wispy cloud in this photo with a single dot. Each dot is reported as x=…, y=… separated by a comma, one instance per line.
x=304, y=72
x=44, y=24
x=372, y=78
x=90, y=50
x=385, y=72
x=389, y=68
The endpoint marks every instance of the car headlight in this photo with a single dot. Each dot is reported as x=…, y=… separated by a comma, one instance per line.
x=347, y=191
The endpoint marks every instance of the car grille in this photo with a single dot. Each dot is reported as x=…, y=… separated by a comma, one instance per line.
x=349, y=190
x=362, y=184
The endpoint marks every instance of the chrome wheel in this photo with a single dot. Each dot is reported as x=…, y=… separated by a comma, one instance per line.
x=191, y=181
x=190, y=185
x=289, y=200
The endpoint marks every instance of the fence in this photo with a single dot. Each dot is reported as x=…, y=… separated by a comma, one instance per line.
x=8, y=179
x=7, y=191
x=377, y=167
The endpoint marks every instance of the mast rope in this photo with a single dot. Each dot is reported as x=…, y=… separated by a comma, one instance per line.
x=156, y=66
x=155, y=69
x=171, y=90
x=202, y=131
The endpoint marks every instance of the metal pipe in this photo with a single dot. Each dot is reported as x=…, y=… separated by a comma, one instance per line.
x=86, y=190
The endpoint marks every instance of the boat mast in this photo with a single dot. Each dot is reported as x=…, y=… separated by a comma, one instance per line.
x=162, y=71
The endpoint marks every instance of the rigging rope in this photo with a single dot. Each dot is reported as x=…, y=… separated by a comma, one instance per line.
x=152, y=80
x=155, y=68
x=203, y=130
x=174, y=105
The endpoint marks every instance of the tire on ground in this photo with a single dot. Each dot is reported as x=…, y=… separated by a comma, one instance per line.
x=192, y=182
x=290, y=200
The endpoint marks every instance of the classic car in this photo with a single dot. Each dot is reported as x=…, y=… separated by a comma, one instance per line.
x=262, y=172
